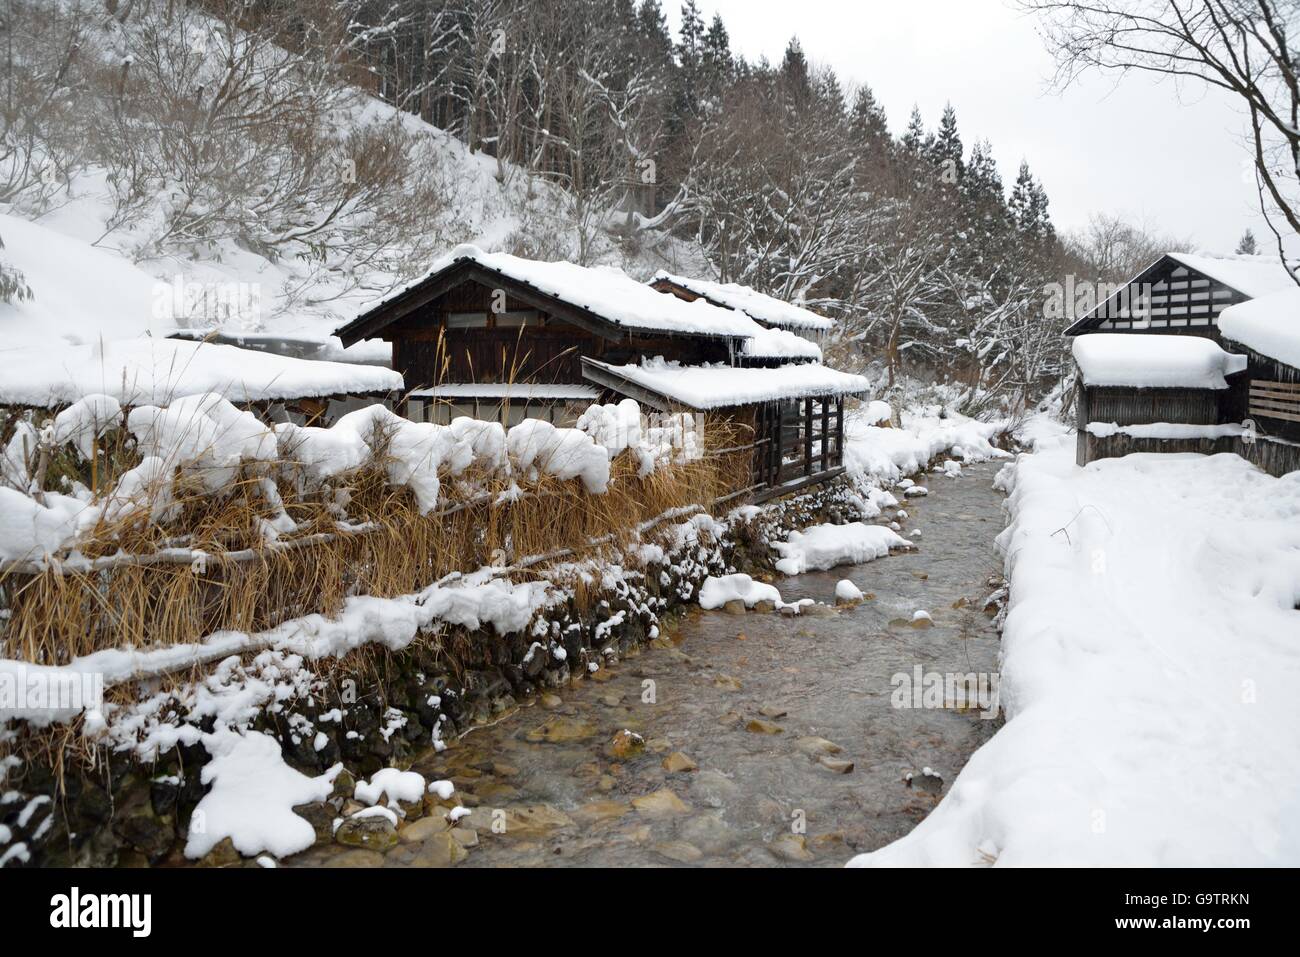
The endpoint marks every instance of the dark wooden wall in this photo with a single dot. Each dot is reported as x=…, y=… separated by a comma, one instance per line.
x=1127, y=406
x=1274, y=446
x=427, y=353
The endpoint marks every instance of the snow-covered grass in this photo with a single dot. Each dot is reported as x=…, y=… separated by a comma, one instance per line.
x=1150, y=661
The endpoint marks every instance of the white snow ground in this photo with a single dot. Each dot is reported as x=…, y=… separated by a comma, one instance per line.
x=1150, y=660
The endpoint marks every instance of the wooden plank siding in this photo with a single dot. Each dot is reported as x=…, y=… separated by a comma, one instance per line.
x=1131, y=406
x=1269, y=395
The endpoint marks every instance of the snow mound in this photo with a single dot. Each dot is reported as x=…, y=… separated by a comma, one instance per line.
x=1148, y=674
x=845, y=590
x=825, y=546
x=252, y=796
x=716, y=592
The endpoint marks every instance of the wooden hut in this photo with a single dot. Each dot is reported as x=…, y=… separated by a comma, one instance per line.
x=491, y=334
x=1243, y=397
x=1153, y=394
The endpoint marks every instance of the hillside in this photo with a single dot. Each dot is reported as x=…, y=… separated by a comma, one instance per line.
x=95, y=272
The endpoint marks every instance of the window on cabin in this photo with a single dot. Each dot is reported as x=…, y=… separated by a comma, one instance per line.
x=467, y=320
x=517, y=318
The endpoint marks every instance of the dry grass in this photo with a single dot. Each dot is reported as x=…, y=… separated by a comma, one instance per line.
x=57, y=614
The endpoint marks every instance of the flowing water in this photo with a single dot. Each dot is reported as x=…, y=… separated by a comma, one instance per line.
x=747, y=709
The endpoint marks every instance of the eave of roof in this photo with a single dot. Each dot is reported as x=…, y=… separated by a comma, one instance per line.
x=465, y=269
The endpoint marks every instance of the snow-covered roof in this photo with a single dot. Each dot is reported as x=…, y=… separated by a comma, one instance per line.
x=1270, y=325
x=766, y=309
x=537, y=392
x=1252, y=275
x=147, y=371
x=607, y=292
x=1154, y=361
x=718, y=386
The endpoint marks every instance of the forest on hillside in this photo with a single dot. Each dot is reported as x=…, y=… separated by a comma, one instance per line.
x=231, y=120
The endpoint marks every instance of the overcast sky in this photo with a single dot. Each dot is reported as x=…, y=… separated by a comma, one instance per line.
x=1171, y=159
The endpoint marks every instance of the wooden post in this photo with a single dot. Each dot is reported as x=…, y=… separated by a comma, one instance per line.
x=826, y=427
x=807, y=436
x=839, y=430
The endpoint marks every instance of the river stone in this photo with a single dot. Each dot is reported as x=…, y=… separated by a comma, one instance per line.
x=357, y=857
x=759, y=726
x=498, y=791
x=681, y=851
x=626, y=744
x=440, y=850
x=464, y=836
x=529, y=821
x=223, y=854
x=677, y=762
x=662, y=801
x=930, y=783
x=818, y=610
x=550, y=701
x=772, y=711
x=792, y=847
x=734, y=607
x=606, y=783
x=344, y=785
x=707, y=831
x=838, y=765
x=600, y=811
x=765, y=606
x=726, y=683
x=815, y=747
x=560, y=729
x=320, y=816
x=375, y=832
x=422, y=829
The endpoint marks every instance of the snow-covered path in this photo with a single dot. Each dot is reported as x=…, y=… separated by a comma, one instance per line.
x=1150, y=663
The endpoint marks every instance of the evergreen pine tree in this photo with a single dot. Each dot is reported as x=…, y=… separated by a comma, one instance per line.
x=913, y=140
x=867, y=119
x=946, y=150
x=794, y=71
x=652, y=25
x=717, y=62
x=1247, y=246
